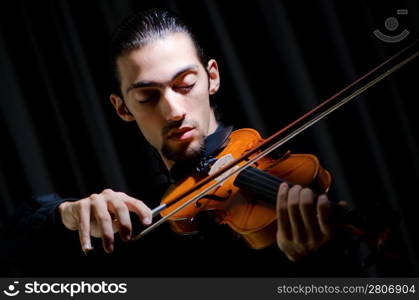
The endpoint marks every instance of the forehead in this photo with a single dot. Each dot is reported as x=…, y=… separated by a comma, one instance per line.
x=158, y=60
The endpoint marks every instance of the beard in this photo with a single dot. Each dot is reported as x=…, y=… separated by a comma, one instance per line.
x=182, y=151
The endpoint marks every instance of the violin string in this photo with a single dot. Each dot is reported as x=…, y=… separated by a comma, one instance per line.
x=270, y=187
x=252, y=171
x=253, y=187
x=248, y=177
x=265, y=183
x=256, y=186
x=270, y=192
x=220, y=174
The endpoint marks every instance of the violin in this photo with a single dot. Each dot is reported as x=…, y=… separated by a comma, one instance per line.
x=235, y=202
x=245, y=202
x=240, y=183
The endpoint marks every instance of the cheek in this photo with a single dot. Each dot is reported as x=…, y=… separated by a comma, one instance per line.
x=201, y=109
x=150, y=129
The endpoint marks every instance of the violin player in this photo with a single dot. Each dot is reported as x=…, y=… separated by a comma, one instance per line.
x=165, y=85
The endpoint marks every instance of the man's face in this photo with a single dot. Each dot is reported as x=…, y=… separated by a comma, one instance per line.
x=166, y=91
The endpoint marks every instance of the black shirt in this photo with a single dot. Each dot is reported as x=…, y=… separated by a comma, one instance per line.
x=40, y=245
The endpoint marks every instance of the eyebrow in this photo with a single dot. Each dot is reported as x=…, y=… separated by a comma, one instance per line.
x=141, y=84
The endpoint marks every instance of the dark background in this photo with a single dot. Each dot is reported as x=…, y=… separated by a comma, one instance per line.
x=277, y=59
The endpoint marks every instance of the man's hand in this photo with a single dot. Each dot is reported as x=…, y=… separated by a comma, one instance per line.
x=101, y=215
x=303, y=225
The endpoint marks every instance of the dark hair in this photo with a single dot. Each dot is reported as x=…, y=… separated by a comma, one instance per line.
x=141, y=28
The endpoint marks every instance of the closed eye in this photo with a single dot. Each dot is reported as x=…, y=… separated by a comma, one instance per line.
x=151, y=97
x=184, y=89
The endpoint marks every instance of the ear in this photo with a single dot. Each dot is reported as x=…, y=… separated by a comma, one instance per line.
x=121, y=108
x=214, y=76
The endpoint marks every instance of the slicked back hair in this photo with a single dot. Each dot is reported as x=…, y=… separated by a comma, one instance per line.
x=141, y=28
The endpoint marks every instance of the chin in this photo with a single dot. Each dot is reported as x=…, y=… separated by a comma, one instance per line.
x=184, y=151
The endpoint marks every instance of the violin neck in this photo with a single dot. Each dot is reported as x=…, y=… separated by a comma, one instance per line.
x=259, y=182
x=266, y=186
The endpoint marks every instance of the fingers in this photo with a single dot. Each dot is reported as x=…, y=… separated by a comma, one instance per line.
x=104, y=221
x=101, y=215
x=324, y=210
x=138, y=206
x=303, y=224
x=120, y=204
x=309, y=215
x=122, y=218
x=84, y=227
x=297, y=224
x=284, y=226
x=299, y=217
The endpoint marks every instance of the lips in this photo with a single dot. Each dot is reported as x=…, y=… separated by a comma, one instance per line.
x=181, y=134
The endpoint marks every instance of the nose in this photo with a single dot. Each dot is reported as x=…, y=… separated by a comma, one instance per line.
x=171, y=106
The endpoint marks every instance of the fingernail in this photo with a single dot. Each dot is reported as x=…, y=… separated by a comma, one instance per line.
x=109, y=248
x=323, y=197
x=147, y=221
x=87, y=250
x=87, y=246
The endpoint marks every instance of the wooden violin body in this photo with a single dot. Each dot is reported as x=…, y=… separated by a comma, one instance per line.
x=251, y=215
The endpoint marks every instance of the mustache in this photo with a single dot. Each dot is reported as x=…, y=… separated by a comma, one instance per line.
x=177, y=124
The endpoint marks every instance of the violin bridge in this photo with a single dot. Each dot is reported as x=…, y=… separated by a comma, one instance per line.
x=219, y=164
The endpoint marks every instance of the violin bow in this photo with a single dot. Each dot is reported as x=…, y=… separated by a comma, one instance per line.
x=271, y=143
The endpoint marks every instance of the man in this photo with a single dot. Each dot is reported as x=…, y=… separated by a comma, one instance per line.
x=165, y=83
x=165, y=86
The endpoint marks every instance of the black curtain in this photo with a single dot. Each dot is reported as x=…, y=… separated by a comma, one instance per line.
x=277, y=60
